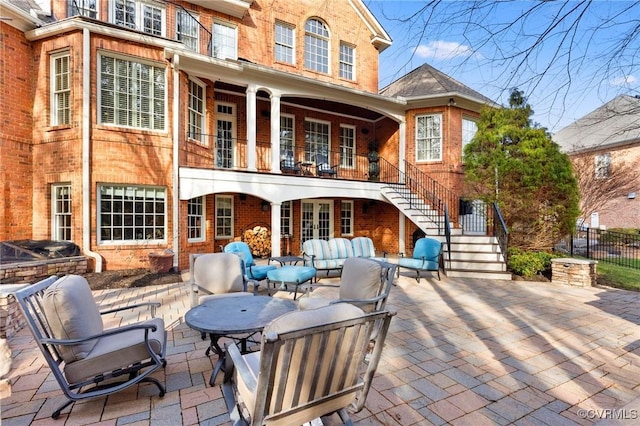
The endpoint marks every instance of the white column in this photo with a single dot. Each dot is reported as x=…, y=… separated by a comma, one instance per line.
x=251, y=128
x=402, y=135
x=275, y=133
x=275, y=229
x=402, y=245
x=402, y=143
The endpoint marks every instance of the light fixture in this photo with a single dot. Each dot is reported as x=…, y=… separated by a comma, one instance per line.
x=264, y=205
x=452, y=102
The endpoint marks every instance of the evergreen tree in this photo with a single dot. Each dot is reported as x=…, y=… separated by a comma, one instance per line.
x=515, y=163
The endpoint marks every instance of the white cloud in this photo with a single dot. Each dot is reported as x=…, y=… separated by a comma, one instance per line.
x=443, y=50
x=624, y=81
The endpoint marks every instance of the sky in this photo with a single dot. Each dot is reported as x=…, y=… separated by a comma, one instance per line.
x=588, y=54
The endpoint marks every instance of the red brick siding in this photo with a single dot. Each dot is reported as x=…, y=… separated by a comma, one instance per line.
x=16, y=127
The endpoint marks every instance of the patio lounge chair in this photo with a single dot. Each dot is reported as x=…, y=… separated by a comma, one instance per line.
x=310, y=364
x=87, y=360
x=427, y=256
x=365, y=283
x=253, y=271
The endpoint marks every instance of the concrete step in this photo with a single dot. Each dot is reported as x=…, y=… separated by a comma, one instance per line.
x=494, y=266
x=479, y=256
x=479, y=274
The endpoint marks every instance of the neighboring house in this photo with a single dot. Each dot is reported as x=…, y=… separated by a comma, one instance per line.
x=134, y=126
x=602, y=144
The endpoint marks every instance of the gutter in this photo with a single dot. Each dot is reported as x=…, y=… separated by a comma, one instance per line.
x=86, y=151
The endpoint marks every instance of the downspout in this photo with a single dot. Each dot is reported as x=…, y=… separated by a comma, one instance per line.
x=86, y=151
x=175, y=64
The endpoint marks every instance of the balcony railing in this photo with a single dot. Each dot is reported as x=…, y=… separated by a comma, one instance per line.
x=233, y=154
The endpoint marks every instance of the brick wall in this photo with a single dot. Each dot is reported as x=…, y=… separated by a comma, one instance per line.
x=16, y=126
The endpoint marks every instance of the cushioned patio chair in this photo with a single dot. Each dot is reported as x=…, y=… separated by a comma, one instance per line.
x=289, y=165
x=217, y=275
x=427, y=256
x=310, y=364
x=323, y=168
x=86, y=359
x=365, y=283
x=253, y=271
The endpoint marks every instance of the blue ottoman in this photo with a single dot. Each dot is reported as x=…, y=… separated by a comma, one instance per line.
x=291, y=274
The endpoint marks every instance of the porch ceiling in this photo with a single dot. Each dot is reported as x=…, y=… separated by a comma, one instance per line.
x=321, y=104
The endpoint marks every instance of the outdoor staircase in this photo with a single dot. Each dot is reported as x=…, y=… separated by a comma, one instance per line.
x=472, y=255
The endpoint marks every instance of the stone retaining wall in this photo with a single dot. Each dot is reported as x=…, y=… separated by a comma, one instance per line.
x=576, y=272
x=31, y=272
x=14, y=276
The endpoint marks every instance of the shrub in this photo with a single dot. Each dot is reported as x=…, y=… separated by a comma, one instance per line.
x=529, y=263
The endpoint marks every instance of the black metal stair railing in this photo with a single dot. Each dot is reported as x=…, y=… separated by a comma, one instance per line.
x=500, y=231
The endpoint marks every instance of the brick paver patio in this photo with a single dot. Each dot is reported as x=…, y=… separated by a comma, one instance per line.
x=460, y=351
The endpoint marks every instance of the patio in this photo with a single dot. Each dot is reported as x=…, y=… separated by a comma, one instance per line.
x=466, y=352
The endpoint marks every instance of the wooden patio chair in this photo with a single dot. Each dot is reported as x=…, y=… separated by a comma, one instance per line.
x=311, y=364
x=87, y=360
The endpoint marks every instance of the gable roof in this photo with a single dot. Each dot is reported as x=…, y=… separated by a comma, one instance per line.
x=615, y=123
x=426, y=81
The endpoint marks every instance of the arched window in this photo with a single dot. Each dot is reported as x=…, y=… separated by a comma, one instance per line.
x=316, y=46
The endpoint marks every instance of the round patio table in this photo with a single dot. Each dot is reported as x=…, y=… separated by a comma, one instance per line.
x=232, y=315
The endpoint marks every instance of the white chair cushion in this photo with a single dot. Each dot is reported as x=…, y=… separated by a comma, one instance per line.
x=72, y=313
x=297, y=320
x=219, y=273
x=360, y=279
x=117, y=351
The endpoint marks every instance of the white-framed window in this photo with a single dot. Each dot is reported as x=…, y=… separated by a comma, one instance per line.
x=143, y=16
x=88, y=8
x=316, y=46
x=132, y=214
x=347, y=146
x=287, y=135
x=61, y=212
x=196, y=219
x=132, y=94
x=224, y=216
x=285, y=43
x=187, y=29
x=196, y=111
x=286, y=221
x=225, y=41
x=429, y=137
x=60, y=89
x=469, y=130
x=346, y=218
x=603, y=166
x=316, y=141
x=347, y=61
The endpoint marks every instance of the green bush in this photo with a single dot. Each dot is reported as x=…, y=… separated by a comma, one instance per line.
x=529, y=263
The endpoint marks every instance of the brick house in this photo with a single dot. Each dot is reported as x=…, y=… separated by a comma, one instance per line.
x=604, y=139
x=134, y=126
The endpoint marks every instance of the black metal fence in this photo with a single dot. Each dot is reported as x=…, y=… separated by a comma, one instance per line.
x=618, y=248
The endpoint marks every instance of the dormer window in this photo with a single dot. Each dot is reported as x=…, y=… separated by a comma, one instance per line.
x=88, y=8
x=316, y=46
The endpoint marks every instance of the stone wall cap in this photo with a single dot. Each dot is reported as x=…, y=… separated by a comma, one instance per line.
x=573, y=261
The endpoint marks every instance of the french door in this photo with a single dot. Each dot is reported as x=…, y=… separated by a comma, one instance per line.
x=317, y=220
x=225, y=135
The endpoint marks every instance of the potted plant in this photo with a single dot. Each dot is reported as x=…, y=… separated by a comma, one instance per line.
x=373, y=156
